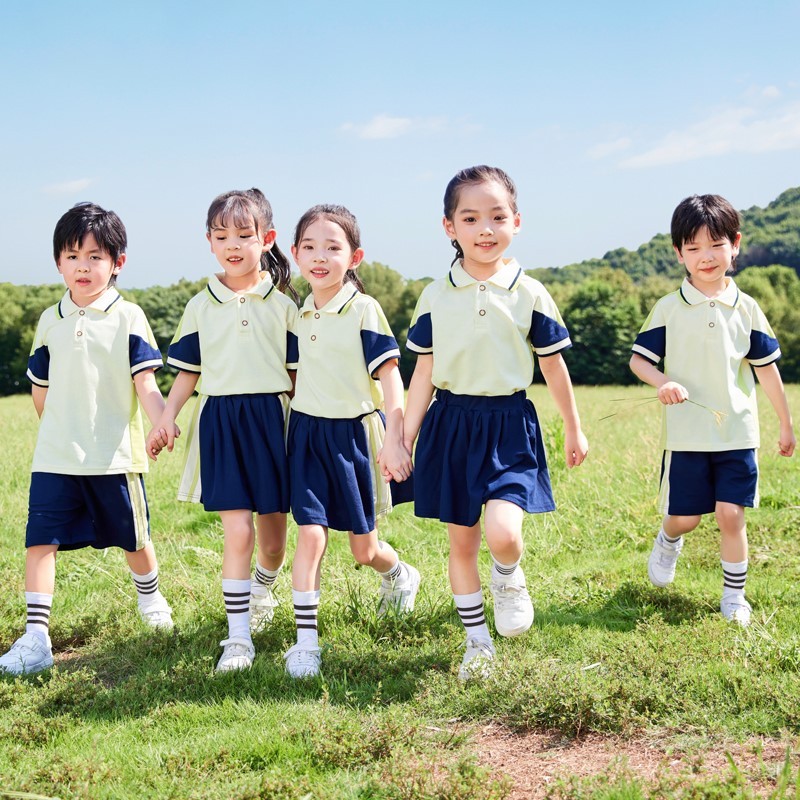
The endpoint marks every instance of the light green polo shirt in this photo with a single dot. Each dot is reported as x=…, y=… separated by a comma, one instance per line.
x=709, y=345
x=86, y=359
x=239, y=342
x=342, y=345
x=483, y=334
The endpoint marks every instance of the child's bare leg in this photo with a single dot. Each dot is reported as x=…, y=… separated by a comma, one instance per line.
x=237, y=552
x=676, y=526
x=513, y=609
x=270, y=555
x=667, y=547
x=733, y=552
x=271, y=531
x=142, y=561
x=40, y=568
x=370, y=552
x=465, y=543
x=303, y=658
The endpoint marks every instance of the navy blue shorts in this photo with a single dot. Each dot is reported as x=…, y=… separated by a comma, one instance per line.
x=474, y=449
x=243, y=462
x=334, y=472
x=693, y=483
x=74, y=511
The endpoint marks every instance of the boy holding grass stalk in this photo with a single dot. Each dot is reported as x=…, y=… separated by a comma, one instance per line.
x=92, y=367
x=709, y=335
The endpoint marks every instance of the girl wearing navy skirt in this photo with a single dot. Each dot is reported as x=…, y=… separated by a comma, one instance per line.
x=236, y=345
x=480, y=446
x=342, y=454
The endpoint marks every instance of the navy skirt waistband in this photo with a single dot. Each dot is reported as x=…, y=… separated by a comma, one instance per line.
x=482, y=402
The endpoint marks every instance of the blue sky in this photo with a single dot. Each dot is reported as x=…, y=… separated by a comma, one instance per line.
x=605, y=114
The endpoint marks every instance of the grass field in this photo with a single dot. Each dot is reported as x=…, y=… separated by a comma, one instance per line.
x=128, y=713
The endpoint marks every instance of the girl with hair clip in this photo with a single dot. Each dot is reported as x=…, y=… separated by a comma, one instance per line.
x=236, y=345
x=342, y=456
x=480, y=446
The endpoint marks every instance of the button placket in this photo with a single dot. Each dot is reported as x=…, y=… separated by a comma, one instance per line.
x=243, y=315
x=482, y=301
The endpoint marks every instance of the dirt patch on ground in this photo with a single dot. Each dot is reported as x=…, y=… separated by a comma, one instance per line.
x=535, y=761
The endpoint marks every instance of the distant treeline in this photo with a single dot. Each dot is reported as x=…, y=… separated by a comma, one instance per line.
x=603, y=301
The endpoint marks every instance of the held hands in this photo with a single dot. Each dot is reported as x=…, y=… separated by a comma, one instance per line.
x=576, y=448
x=671, y=393
x=394, y=461
x=163, y=435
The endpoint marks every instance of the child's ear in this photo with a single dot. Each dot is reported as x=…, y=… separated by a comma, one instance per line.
x=737, y=242
x=119, y=263
x=358, y=257
x=517, y=223
x=448, y=228
x=678, y=253
x=269, y=238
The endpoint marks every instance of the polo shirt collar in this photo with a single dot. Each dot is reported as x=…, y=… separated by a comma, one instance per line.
x=104, y=303
x=507, y=277
x=222, y=294
x=693, y=296
x=339, y=304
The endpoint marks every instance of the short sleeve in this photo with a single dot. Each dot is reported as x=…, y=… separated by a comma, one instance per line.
x=548, y=334
x=39, y=359
x=142, y=347
x=377, y=339
x=184, y=350
x=651, y=342
x=420, y=332
x=764, y=348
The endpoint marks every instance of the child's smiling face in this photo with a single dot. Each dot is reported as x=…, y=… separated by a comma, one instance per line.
x=484, y=223
x=708, y=260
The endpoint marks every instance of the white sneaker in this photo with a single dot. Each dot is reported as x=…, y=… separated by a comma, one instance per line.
x=262, y=606
x=736, y=609
x=513, y=609
x=27, y=655
x=302, y=661
x=157, y=613
x=477, y=661
x=662, y=561
x=237, y=653
x=400, y=594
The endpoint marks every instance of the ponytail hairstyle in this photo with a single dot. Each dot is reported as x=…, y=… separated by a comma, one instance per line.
x=345, y=220
x=250, y=207
x=470, y=177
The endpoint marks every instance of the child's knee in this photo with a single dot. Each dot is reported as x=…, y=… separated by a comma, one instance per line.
x=730, y=518
x=364, y=552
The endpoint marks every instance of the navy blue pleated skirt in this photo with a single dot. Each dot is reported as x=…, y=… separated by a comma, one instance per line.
x=334, y=473
x=243, y=463
x=474, y=449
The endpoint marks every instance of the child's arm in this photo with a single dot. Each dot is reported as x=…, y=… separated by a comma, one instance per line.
x=38, y=394
x=770, y=379
x=419, y=397
x=151, y=401
x=394, y=459
x=165, y=429
x=558, y=381
x=669, y=392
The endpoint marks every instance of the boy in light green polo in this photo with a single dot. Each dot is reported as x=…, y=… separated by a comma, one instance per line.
x=712, y=338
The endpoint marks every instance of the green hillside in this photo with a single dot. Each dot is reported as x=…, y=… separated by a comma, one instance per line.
x=770, y=235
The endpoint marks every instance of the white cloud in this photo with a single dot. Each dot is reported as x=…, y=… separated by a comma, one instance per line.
x=384, y=126
x=729, y=130
x=605, y=149
x=68, y=187
x=771, y=92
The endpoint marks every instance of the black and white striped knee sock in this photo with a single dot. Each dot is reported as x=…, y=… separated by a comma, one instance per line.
x=265, y=577
x=470, y=610
x=734, y=576
x=38, y=621
x=306, y=607
x=237, y=606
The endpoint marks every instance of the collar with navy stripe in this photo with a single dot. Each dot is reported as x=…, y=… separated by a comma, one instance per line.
x=339, y=304
x=222, y=294
x=507, y=277
x=692, y=296
x=104, y=303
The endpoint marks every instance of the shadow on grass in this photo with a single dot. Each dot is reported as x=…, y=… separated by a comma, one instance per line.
x=630, y=604
x=127, y=674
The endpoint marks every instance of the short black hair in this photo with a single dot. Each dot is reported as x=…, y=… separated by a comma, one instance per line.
x=704, y=211
x=84, y=218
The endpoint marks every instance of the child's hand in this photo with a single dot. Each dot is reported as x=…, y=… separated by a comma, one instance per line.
x=153, y=444
x=787, y=442
x=671, y=393
x=394, y=461
x=576, y=448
